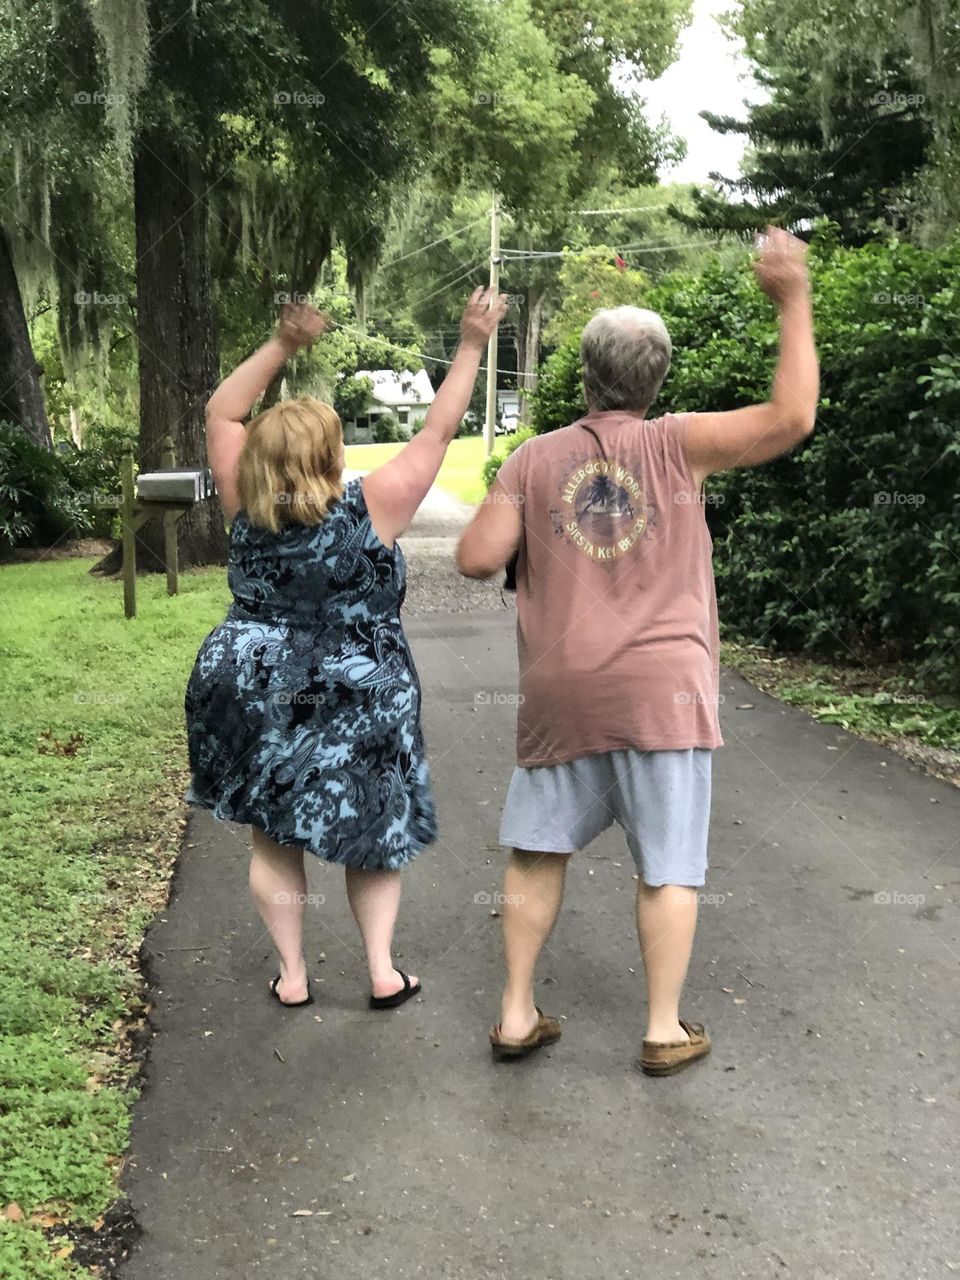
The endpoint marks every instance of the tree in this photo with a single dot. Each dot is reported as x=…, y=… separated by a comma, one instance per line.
x=919, y=37
x=850, y=156
x=21, y=399
x=318, y=99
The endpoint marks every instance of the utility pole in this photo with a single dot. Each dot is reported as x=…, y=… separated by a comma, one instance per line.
x=493, y=350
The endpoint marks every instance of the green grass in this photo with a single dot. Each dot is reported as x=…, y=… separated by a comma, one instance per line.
x=92, y=761
x=459, y=475
x=884, y=702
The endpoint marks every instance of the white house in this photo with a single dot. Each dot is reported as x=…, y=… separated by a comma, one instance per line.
x=407, y=395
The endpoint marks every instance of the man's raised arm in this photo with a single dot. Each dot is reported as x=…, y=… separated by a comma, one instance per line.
x=745, y=437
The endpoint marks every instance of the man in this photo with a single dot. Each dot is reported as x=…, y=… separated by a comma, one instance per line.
x=618, y=641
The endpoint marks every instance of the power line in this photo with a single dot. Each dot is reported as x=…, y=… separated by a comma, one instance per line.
x=644, y=208
x=419, y=355
x=433, y=243
x=522, y=255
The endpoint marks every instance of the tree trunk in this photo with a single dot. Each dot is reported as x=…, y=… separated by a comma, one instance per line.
x=21, y=398
x=271, y=395
x=528, y=347
x=177, y=337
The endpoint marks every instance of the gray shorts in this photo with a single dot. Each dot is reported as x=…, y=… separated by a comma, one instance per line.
x=661, y=799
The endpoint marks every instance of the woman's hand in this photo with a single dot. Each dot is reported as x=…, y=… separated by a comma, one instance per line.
x=301, y=325
x=483, y=313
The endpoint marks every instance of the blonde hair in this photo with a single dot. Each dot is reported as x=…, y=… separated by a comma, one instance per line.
x=291, y=466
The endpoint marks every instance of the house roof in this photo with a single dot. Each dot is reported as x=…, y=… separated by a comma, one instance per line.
x=400, y=389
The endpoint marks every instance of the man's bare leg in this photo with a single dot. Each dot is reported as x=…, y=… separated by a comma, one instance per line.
x=533, y=893
x=666, y=924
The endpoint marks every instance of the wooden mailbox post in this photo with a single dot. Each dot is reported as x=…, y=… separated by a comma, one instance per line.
x=169, y=493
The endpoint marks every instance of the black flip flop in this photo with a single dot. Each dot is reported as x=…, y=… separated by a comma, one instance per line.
x=296, y=1004
x=399, y=997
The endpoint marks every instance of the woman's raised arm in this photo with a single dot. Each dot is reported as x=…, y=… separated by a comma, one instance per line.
x=231, y=402
x=394, y=491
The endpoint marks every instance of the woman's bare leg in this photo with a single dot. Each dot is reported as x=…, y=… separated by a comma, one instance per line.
x=375, y=900
x=278, y=883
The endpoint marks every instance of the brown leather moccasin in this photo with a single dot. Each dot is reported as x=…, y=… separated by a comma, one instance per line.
x=545, y=1032
x=665, y=1059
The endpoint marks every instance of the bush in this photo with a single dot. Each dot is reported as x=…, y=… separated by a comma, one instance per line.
x=558, y=399
x=850, y=545
x=387, y=429
x=493, y=464
x=37, y=502
x=47, y=495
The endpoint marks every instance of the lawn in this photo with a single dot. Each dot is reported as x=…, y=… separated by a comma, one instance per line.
x=459, y=475
x=91, y=773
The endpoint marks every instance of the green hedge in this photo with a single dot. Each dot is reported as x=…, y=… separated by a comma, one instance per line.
x=49, y=494
x=851, y=545
x=496, y=460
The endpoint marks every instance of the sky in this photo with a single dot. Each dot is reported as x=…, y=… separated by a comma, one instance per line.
x=710, y=75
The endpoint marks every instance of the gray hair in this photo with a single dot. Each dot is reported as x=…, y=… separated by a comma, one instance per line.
x=626, y=353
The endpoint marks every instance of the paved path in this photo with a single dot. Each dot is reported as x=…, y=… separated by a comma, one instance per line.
x=818, y=1141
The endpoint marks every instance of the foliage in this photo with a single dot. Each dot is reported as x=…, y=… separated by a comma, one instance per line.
x=887, y=703
x=588, y=281
x=918, y=36
x=46, y=496
x=37, y=500
x=352, y=396
x=386, y=429
x=559, y=398
x=867, y=128
x=496, y=460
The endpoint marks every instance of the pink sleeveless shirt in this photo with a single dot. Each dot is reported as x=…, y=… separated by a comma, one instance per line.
x=616, y=604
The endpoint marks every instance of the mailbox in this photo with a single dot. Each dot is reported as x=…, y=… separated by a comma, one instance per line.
x=175, y=485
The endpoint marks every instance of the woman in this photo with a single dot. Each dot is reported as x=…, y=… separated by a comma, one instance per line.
x=303, y=709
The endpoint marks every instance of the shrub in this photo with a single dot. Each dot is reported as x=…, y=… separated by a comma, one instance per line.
x=493, y=464
x=37, y=502
x=558, y=399
x=387, y=429
x=47, y=495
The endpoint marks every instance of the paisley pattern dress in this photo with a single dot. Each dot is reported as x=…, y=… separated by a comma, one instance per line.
x=303, y=708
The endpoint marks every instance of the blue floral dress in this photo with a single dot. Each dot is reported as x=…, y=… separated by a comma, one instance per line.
x=303, y=708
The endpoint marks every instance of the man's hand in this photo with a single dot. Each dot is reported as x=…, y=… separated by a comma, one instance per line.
x=781, y=266
x=301, y=325
x=483, y=313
